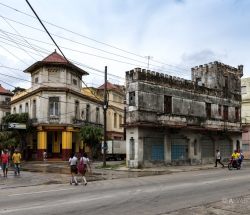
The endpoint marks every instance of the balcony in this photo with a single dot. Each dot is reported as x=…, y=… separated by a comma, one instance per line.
x=54, y=119
x=5, y=104
x=79, y=122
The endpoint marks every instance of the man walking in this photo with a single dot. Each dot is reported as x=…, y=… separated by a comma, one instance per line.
x=218, y=158
x=16, y=158
x=5, y=162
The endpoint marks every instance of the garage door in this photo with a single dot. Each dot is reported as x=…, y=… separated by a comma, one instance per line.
x=153, y=149
x=225, y=148
x=179, y=149
x=207, y=147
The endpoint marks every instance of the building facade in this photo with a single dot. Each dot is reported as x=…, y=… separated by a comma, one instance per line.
x=245, y=117
x=115, y=112
x=57, y=107
x=5, y=97
x=177, y=121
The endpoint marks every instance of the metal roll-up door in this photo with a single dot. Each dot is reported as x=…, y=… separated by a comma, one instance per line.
x=225, y=147
x=179, y=149
x=153, y=149
x=207, y=147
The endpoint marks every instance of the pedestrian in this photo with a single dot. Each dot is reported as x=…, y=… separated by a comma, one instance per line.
x=5, y=162
x=44, y=155
x=16, y=158
x=218, y=158
x=83, y=167
x=73, y=168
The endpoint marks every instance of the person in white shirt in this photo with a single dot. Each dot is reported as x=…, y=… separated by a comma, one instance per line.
x=218, y=158
x=83, y=167
x=73, y=168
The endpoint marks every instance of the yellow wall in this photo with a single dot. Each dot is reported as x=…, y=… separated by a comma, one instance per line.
x=67, y=140
x=42, y=140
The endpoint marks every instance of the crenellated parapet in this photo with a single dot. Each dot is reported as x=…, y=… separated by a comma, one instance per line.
x=158, y=78
x=220, y=67
x=165, y=80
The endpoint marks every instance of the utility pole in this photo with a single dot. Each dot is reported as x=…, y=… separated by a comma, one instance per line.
x=105, y=107
x=149, y=57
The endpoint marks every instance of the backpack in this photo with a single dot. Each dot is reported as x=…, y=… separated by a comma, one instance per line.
x=80, y=166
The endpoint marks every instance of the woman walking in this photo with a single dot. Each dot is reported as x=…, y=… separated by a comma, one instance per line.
x=73, y=168
x=83, y=167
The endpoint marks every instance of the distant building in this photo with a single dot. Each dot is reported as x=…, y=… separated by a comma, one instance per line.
x=115, y=113
x=172, y=120
x=5, y=97
x=57, y=107
x=245, y=116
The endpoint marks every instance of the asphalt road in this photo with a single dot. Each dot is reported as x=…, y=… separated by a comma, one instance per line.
x=145, y=195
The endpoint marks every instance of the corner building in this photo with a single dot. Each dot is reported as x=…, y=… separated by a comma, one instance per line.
x=170, y=120
x=57, y=107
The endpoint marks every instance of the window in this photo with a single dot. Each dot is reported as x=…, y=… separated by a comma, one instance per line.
x=131, y=98
x=74, y=81
x=225, y=112
x=167, y=104
x=237, y=113
x=77, y=110
x=208, y=110
x=132, y=148
x=36, y=80
x=120, y=121
x=245, y=147
x=20, y=108
x=7, y=100
x=226, y=82
x=54, y=106
x=26, y=107
x=87, y=112
x=14, y=110
x=34, y=109
x=195, y=147
x=115, y=120
x=97, y=116
x=219, y=110
x=243, y=90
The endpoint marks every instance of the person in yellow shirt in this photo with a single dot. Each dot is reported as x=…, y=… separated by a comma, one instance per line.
x=16, y=158
x=235, y=155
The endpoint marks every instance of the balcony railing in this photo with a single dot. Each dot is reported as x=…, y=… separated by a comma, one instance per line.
x=4, y=103
x=54, y=119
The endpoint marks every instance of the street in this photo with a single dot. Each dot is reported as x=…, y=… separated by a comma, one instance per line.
x=162, y=194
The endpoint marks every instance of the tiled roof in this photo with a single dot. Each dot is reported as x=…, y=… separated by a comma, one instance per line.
x=109, y=86
x=55, y=58
x=4, y=91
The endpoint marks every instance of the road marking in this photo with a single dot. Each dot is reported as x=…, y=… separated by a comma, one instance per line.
x=53, y=204
x=46, y=191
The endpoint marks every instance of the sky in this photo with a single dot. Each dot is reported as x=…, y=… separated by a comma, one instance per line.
x=166, y=36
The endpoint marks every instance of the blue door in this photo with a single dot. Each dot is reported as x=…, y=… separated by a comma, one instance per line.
x=157, y=152
x=179, y=149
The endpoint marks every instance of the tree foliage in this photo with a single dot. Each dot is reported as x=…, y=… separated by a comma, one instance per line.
x=92, y=136
x=8, y=139
x=18, y=136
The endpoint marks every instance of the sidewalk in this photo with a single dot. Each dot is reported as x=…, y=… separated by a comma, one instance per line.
x=57, y=172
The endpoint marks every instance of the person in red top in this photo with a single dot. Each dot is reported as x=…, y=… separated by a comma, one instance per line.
x=5, y=162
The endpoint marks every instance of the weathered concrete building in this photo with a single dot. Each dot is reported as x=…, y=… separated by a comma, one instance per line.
x=172, y=120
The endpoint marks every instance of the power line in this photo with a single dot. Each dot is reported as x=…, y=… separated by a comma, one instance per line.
x=45, y=29
x=136, y=65
x=89, y=38
x=21, y=35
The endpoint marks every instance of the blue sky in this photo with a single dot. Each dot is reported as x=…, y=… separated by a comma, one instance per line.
x=177, y=35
